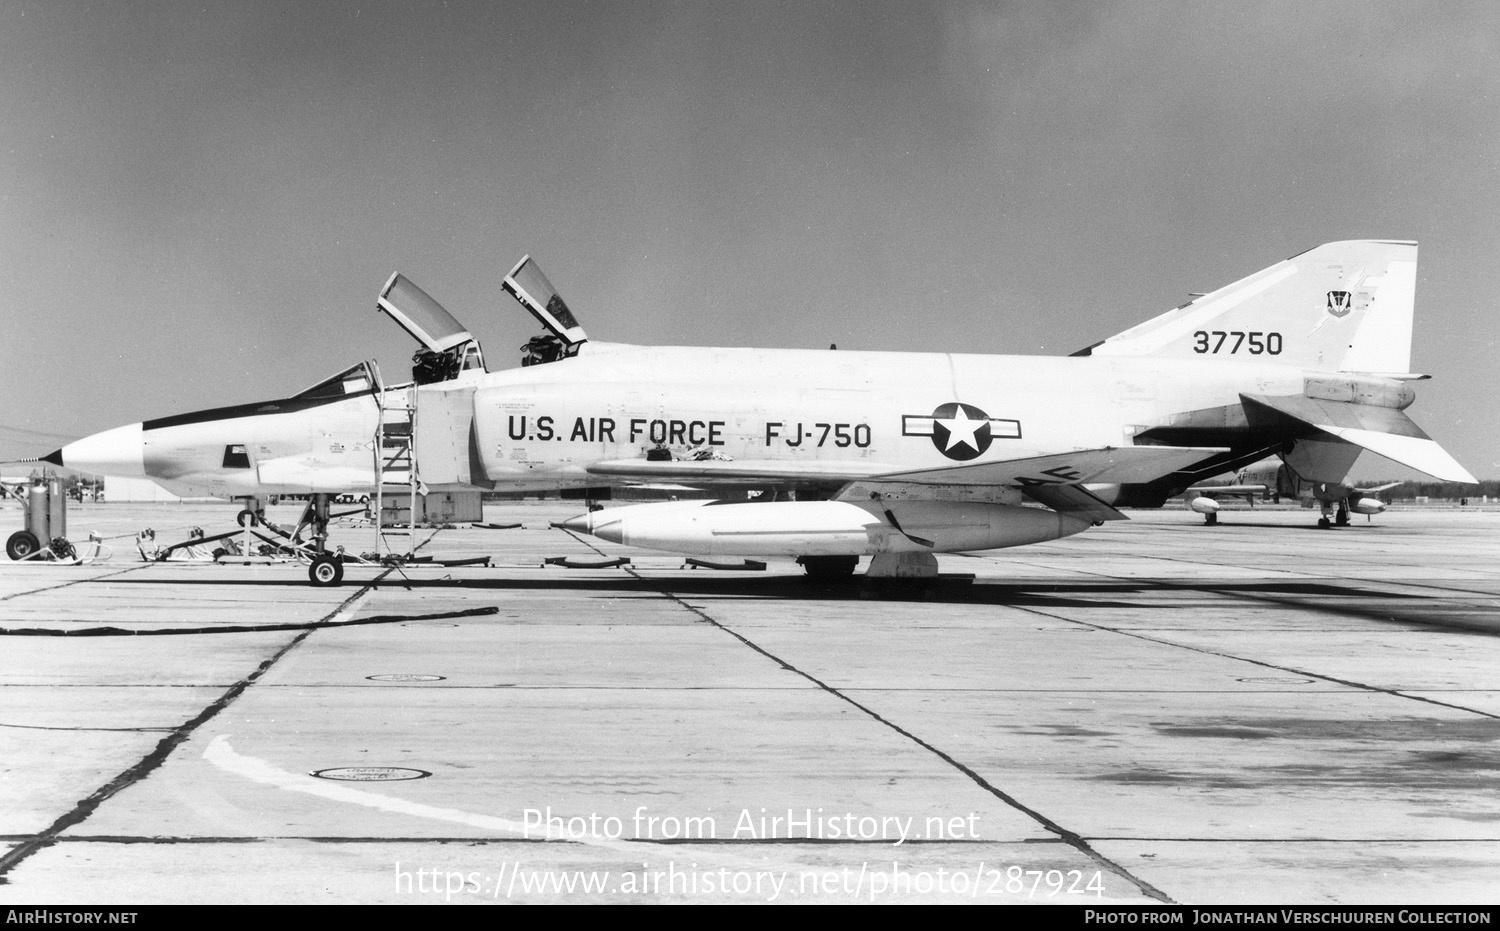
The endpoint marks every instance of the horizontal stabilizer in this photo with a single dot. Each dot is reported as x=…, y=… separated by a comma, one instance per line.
x=1384, y=431
x=1424, y=455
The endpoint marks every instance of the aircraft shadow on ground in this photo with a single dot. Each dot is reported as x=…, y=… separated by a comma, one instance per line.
x=1165, y=599
x=1078, y=595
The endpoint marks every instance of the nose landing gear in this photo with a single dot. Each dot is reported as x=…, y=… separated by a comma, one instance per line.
x=326, y=568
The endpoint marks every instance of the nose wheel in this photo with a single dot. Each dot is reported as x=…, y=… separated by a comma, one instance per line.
x=326, y=570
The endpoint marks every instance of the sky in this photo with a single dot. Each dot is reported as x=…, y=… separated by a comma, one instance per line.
x=199, y=202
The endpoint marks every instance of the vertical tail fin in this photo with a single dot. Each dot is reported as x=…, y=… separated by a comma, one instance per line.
x=1344, y=306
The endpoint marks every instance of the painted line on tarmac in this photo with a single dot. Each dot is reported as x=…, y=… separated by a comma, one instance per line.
x=1264, y=664
x=323, y=624
x=92, y=578
x=221, y=754
x=153, y=760
x=1071, y=838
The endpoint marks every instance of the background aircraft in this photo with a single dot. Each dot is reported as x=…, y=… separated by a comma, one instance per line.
x=1271, y=480
x=892, y=455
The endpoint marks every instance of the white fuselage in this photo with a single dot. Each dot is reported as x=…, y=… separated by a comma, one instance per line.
x=540, y=428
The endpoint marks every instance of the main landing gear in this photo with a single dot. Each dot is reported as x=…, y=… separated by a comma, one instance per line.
x=1340, y=517
x=828, y=568
x=884, y=567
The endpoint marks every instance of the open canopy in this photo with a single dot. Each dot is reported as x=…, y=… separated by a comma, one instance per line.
x=420, y=315
x=527, y=284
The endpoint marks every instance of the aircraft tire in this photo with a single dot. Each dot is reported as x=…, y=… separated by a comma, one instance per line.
x=325, y=571
x=21, y=544
x=828, y=567
x=1323, y=523
x=247, y=518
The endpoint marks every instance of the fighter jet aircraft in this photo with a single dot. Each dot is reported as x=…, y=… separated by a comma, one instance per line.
x=891, y=455
x=1271, y=479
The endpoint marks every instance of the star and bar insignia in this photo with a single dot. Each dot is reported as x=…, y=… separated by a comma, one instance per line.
x=960, y=431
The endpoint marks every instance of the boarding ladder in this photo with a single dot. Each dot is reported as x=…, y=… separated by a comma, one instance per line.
x=396, y=465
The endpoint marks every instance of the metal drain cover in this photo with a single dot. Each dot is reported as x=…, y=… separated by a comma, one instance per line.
x=370, y=773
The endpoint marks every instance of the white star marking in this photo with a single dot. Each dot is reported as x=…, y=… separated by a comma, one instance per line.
x=961, y=430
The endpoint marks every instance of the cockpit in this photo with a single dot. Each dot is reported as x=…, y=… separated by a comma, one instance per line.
x=448, y=350
x=542, y=349
x=428, y=367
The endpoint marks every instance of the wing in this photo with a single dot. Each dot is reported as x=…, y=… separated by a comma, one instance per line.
x=1057, y=481
x=1108, y=465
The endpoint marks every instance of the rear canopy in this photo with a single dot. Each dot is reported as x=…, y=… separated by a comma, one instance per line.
x=527, y=284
